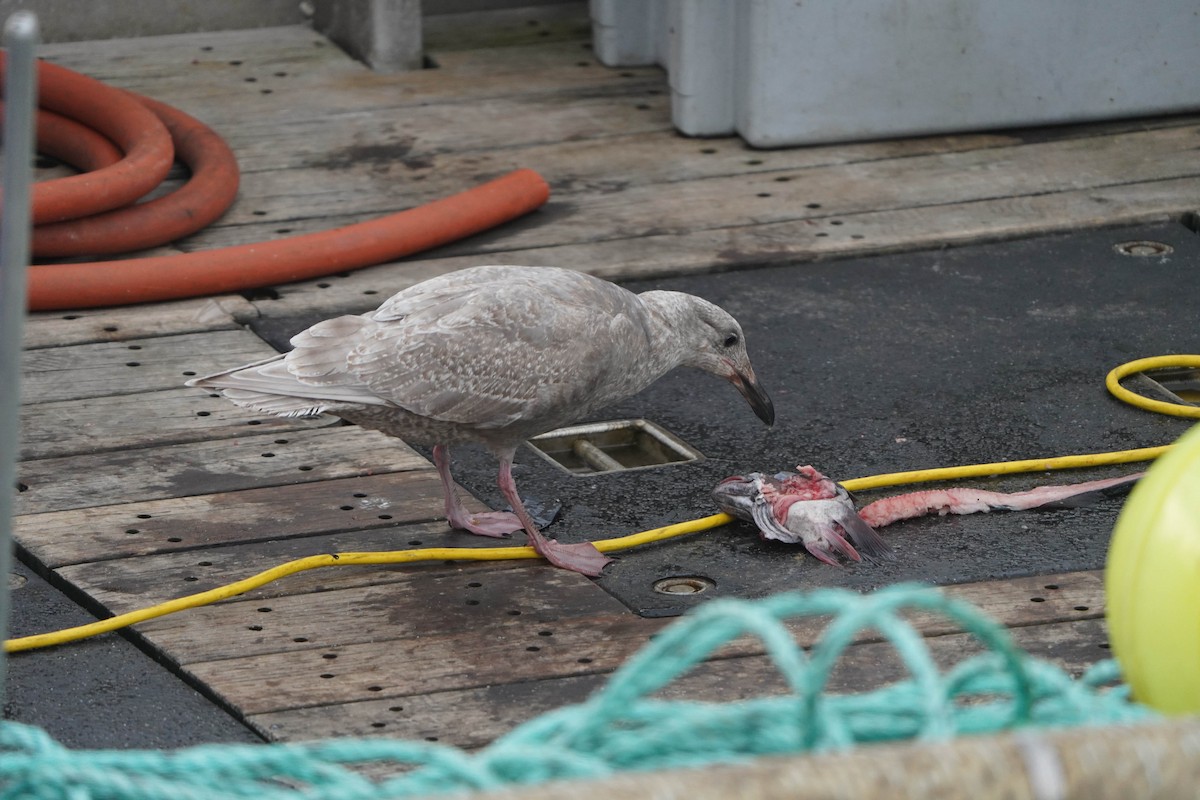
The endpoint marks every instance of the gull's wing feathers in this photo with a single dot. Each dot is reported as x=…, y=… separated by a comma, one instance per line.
x=494, y=349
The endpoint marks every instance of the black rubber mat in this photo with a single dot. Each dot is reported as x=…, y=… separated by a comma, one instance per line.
x=958, y=356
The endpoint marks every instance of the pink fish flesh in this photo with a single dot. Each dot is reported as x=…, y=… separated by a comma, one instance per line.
x=969, y=501
x=809, y=508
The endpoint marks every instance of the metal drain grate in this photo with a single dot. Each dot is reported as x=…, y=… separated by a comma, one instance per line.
x=612, y=446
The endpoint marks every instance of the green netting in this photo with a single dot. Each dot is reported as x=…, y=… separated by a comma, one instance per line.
x=623, y=726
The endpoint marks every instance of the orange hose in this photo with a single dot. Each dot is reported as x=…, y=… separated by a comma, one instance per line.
x=72, y=143
x=231, y=269
x=209, y=192
x=132, y=127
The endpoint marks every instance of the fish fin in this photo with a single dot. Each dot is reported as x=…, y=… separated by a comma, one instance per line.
x=1101, y=490
x=829, y=545
x=870, y=543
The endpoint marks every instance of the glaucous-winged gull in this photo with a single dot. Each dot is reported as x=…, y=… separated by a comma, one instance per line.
x=495, y=354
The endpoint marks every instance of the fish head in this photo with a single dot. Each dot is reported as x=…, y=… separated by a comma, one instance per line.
x=737, y=494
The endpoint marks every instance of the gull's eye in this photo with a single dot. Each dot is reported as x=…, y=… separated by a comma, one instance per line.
x=731, y=340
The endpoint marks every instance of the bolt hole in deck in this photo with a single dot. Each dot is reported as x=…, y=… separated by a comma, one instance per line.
x=612, y=446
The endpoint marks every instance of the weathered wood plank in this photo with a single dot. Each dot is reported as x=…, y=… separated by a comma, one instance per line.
x=135, y=530
x=497, y=652
x=61, y=328
x=105, y=369
x=223, y=465
x=388, y=613
x=148, y=419
x=819, y=198
x=416, y=606
x=230, y=91
x=150, y=56
x=474, y=717
x=493, y=652
x=721, y=249
x=508, y=27
x=390, y=175
x=128, y=584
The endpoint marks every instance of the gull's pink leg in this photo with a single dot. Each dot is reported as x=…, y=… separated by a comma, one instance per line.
x=488, y=523
x=582, y=557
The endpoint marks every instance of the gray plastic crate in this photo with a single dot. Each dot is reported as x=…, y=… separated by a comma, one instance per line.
x=780, y=72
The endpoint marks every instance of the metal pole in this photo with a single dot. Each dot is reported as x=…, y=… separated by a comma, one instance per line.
x=20, y=93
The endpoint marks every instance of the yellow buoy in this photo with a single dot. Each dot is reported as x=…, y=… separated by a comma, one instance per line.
x=1152, y=582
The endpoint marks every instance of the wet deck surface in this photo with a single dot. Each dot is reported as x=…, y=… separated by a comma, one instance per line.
x=137, y=490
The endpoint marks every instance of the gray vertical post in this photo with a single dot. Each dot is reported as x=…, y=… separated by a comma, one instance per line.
x=20, y=92
x=384, y=33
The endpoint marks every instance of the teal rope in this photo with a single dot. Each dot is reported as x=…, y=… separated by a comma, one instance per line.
x=622, y=727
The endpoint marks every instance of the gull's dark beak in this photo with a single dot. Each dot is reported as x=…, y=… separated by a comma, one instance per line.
x=750, y=389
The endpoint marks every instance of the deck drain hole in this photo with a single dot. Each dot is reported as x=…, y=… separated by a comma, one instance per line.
x=254, y=627
x=395, y=709
x=1037, y=599
x=378, y=724
x=374, y=688
x=329, y=656
x=612, y=446
x=683, y=584
x=1143, y=248
x=1081, y=608
x=327, y=675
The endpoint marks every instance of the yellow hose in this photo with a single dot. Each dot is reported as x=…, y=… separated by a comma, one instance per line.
x=1113, y=382
x=636, y=539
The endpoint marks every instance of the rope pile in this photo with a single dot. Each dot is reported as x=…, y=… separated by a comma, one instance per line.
x=623, y=727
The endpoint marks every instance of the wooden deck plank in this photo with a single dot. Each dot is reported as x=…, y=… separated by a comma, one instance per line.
x=151, y=527
x=496, y=651
x=148, y=419
x=62, y=328
x=590, y=201
x=222, y=465
x=124, y=585
x=788, y=242
x=473, y=717
x=387, y=614
x=414, y=608
x=104, y=369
